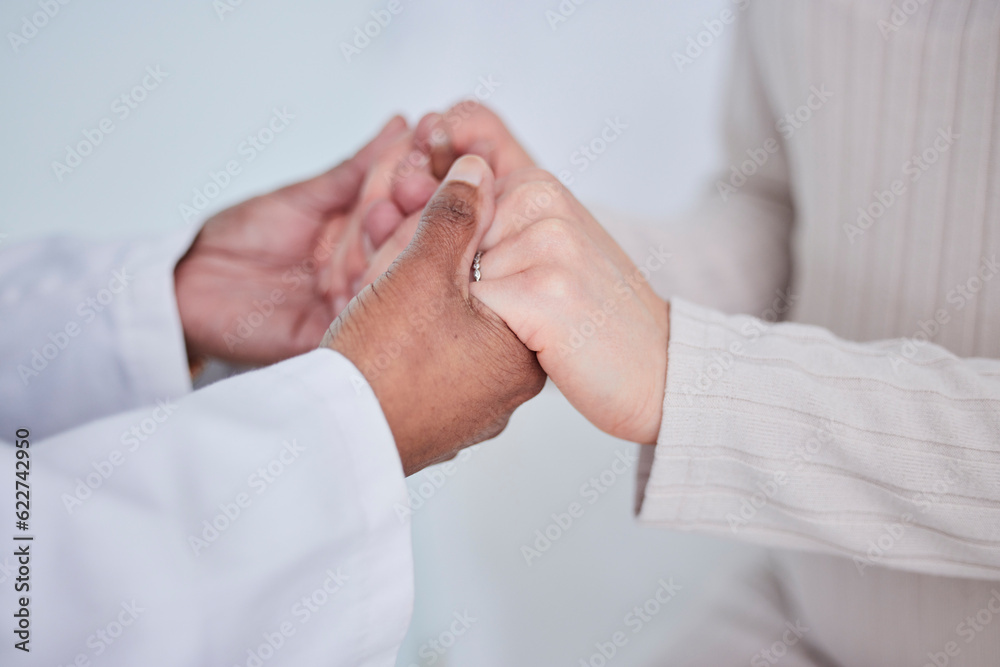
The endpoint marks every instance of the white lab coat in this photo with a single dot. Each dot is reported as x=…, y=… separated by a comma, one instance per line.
x=249, y=523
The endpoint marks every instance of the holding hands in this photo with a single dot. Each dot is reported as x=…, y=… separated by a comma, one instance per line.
x=449, y=359
x=561, y=283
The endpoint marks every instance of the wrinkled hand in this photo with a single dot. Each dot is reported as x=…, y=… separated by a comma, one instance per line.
x=446, y=370
x=264, y=279
x=573, y=296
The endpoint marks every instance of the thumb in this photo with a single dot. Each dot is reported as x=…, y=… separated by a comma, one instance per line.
x=455, y=221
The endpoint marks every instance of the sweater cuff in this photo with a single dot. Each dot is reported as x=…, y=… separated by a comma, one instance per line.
x=786, y=436
x=706, y=465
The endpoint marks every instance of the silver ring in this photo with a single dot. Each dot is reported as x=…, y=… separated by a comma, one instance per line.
x=476, y=273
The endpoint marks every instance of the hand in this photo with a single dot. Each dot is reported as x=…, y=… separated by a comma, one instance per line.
x=469, y=128
x=572, y=295
x=264, y=279
x=446, y=370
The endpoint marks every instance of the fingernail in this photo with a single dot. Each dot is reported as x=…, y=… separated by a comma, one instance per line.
x=469, y=169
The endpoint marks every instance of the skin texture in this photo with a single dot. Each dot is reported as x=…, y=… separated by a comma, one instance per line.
x=446, y=370
x=561, y=282
x=573, y=296
x=286, y=263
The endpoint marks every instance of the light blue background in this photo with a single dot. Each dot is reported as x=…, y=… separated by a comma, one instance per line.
x=609, y=59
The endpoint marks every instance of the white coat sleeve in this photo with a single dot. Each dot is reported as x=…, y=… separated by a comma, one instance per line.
x=89, y=329
x=255, y=522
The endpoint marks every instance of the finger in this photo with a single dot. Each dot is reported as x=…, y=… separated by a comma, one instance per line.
x=339, y=186
x=350, y=259
x=412, y=193
x=380, y=221
x=387, y=136
x=432, y=138
x=515, y=254
x=555, y=243
x=527, y=197
x=453, y=223
x=470, y=125
x=517, y=300
x=388, y=252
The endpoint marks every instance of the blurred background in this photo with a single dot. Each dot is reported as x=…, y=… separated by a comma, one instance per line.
x=557, y=72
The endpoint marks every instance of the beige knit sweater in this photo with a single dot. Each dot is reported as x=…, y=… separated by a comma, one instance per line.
x=861, y=203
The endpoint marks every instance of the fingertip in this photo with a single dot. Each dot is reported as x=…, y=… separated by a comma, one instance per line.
x=469, y=169
x=395, y=125
x=386, y=137
x=413, y=192
x=429, y=130
x=432, y=139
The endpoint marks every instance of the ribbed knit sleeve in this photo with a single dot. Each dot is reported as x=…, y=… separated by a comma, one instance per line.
x=783, y=434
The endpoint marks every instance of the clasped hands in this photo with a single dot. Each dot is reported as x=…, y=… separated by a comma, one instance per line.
x=382, y=246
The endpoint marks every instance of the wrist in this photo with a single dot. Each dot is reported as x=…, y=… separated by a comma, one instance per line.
x=658, y=374
x=381, y=372
x=183, y=296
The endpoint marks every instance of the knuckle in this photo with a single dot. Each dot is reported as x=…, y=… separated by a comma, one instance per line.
x=555, y=230
x=554, y=283
x=536, y=174
x=534, y=199
x=455, y=205
x=557, y=237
